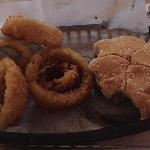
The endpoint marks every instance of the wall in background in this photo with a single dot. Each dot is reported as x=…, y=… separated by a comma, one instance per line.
x=130, y=14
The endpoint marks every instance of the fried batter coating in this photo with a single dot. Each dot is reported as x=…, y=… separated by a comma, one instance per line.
x=51, y=98
x=65, y=82
x=32, y=30
x=19, y=48
x=15, y=96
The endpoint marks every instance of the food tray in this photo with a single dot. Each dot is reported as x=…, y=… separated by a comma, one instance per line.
x=79, y=124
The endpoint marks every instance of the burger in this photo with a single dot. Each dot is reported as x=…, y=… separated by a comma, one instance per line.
x=122, y=66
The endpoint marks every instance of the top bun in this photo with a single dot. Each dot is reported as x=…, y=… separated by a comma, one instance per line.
x=123, y=65
x=123, y=46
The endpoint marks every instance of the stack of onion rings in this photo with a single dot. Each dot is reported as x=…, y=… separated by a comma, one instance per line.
x=64, y=96
x=15, y=93
x=57, y=77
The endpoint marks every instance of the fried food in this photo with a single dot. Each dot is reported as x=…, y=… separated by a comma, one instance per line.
x=15, y=94
x=32, y=30
x=25, y=53
x=53, y=98
x=65, y=82
x=122, y=66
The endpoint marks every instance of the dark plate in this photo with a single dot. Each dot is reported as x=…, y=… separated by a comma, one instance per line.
x=83, y=43
x=76, y=138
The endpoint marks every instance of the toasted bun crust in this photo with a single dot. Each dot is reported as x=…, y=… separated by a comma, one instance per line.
x=138, y=87
x=123, y=64
x=111, y=75
x=123, y=46
x=142, y=56
x=107, y=47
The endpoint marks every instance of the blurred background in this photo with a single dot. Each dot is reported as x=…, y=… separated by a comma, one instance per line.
x=129, y=14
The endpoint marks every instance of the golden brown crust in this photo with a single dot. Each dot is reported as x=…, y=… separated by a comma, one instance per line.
x=123, y=46
x=107, y=47
x=51, y=98
x=142, y=56
x=32, y=30
x=65, y=82
x=110, y=72
x=15, y=97
x=138, y=87
x=19, y=48
x=135, y=72
x=129, y=45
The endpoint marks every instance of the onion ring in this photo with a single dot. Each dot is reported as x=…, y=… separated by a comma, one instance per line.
x=63, y=83
x=18, y=47
x=15, y=97
x=32, y=30
x=52, y=98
